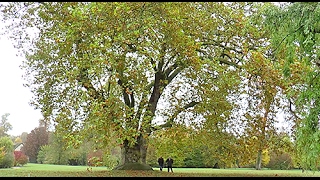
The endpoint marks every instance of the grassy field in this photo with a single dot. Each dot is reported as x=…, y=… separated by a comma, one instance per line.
x=45, y=170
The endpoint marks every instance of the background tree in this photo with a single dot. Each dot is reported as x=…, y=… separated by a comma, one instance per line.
x=23, y=137
x=7, y=156
x=100, y=70
x=191, y=148
x=282, y=154
x=54, y=152
x=5, y=126
x=295, y=39
x=263, y=88
x=44, y=123
x=17, y=140
x=35, y=139
x=2, y=153
x=172, y=143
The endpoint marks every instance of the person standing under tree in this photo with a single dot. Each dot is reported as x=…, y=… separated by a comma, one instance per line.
x=169, y=162
x=160, y=162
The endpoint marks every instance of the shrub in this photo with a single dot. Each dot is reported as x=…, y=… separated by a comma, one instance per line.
x=280, y=161
x=7, y=160
x=41, y=158
x=2, y=153
x=111, y=161
x=77, y=156
x=194, y=159
x=95, y=158
x=20, y=158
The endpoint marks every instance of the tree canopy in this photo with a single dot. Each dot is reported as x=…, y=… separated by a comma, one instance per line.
x=118, y=72
x=294, y=30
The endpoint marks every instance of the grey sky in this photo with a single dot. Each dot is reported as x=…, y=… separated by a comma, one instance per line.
x=14, y=97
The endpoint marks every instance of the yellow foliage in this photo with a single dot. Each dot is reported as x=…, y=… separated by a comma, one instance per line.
x=18, y=140
x=265, y=157
x=2, y=153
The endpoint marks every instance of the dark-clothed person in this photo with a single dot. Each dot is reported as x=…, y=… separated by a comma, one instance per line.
x=169, y=162
x=161, y=163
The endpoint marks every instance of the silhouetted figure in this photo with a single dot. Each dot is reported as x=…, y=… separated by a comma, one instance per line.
x=169, y=162
x=160, y=162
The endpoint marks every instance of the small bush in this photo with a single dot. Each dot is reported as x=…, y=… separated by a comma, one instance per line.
x=7, y=160
x=280, y=161
x=20, y=158
x=95, y=158
x=111, y=161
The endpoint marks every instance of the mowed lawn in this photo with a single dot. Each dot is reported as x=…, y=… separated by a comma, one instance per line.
x=46, y=170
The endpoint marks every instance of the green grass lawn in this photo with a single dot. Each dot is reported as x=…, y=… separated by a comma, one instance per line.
x=46, y=170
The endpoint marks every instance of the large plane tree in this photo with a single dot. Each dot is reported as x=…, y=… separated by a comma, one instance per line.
x=100, y=69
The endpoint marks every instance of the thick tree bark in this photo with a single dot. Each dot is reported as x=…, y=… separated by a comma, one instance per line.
x=134, y=157
x=259, y=160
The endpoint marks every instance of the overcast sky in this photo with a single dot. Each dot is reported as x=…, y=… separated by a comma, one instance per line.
x=14, y=97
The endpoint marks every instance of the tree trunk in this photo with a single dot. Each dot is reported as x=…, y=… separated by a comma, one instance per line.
x=259, y=160
x=134, y=157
